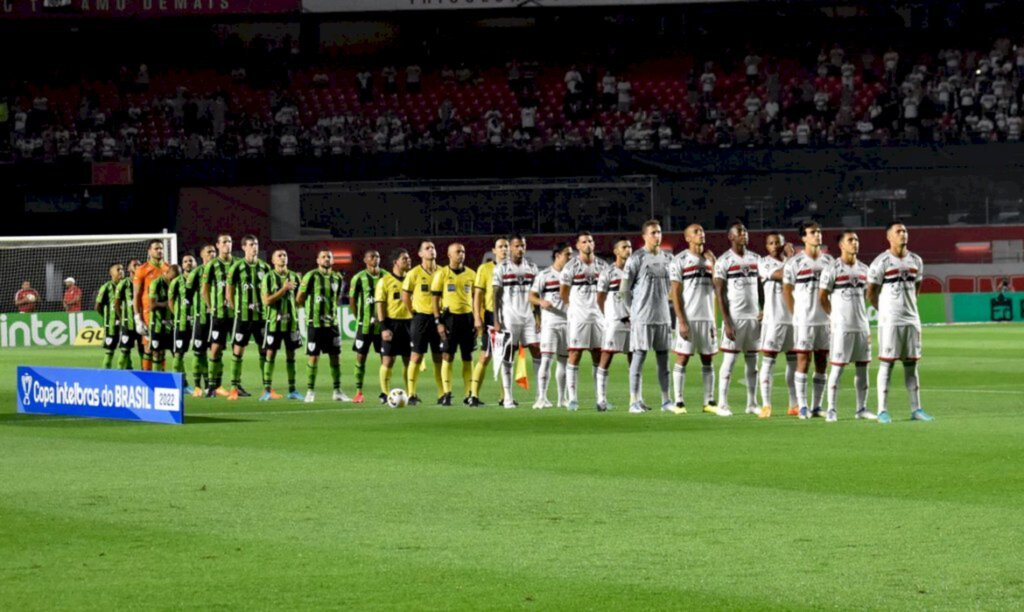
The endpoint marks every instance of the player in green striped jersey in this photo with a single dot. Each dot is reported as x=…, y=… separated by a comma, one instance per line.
x=214, y=292
x=181, y=307
x=244, y=278
x=360, y=301
x=318, y=296
x=105, y=299
x=200, y=321
x=277, y=291
x=124, y=303
x=161, y=319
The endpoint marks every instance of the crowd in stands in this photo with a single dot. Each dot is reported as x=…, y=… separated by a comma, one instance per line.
x=846, y=98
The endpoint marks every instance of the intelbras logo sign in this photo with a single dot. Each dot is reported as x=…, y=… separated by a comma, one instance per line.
x=109, y=394
x=44, y=328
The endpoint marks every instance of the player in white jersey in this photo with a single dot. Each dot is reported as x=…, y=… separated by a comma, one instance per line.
x=800, y=281
x=646, y=288
x=842, y=297
x=513, y=311
x=739, y=294
x=894, y=280
x=616, y=317
x=693, y=299
x=776, y=325
x=546, y=295
x=585, y=325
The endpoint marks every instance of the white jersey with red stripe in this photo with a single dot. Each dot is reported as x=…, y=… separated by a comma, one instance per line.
x=581, y=278
x=616, y=311
x=740, y=275
x=899, y=278
x=775, y=311
x=694, y=274
x=548, y=286
x=515, y=281
x=804, y=273
x=847, y=285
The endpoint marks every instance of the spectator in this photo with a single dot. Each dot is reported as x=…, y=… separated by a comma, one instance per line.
x=753, y=64
x=609, y=90
x=625, y=95
x=573, y=81
x=413, y=75
x=27, y=298
x=72, y=296
x=390, y=77
x=364, y=86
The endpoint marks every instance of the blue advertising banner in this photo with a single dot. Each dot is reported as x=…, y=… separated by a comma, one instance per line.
x=128, y=395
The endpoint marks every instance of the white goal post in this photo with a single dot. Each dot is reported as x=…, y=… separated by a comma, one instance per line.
x=46, y=261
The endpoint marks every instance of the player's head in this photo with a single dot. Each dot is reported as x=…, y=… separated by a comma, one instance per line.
x=172, y=272
x=897, y=235
x=623, y=248
x=156, y=250
x=561, y=253
x=400, y=261
x=26, y=285
x=774, y=243
x=133, y=265
x=585, y=243
x=250, y=246
x=738, y=236
x=651, y=231
x=810, y=234
x=427, y=251
x=116, y=273
x=372, y=259
x=325, y=260
x=224, y=245
x=208, y=252
x=516, y=247
x=279, y=258
x=500, y=249
x=694, y=235
x=188, y=263
x=456, y=255
x=849, y=243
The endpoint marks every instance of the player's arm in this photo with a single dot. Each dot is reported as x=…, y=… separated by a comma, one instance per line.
x=825, y=297
x=172, y=303
x=300, y=297
x=723, y=301
x=676, y=295
x=137, y=292
x=788, y=280
x=204, y=290
x=436, y=292
x=229, y=291
x=355, y=299
x=407, y=286
x=499, y=295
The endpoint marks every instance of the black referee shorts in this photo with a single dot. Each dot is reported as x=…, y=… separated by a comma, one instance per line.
x=424, y=333
x=485, y=338
x=461, y=334
x=400, y=344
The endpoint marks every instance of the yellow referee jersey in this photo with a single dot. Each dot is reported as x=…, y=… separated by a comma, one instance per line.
x=388, y=291
x=484, y=276
x=417, y=283
x=455, y=289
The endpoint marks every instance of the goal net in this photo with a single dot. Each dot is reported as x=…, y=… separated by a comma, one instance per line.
x=478, y=206
x=46, y=261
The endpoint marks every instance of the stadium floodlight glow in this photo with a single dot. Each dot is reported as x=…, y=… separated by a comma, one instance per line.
x=46, y=261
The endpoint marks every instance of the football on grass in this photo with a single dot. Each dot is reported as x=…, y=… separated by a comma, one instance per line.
x=398, y=398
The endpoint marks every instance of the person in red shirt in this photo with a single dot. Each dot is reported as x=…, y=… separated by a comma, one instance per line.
x=72, y=296
x=27, y=298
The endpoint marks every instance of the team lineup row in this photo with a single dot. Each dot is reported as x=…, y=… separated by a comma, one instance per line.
x=807, y=306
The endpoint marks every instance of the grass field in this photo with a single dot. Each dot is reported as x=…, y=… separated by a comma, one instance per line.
x=289, y=505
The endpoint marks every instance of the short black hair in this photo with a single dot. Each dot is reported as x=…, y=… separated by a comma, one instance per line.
x=583, y=233
x=893, y=224
x=249, y=239
x=736, y=223
x=396, y=254
x=619, y=239
x=515, y=236
x=558, y=248
x=154, y=241
x=842, y=234
x=806, y=225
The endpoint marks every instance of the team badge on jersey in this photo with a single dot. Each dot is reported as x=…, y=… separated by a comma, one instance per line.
x=311, y=346
x=270, y=338
x=239, y=337
x=179, y=343
x=215, y=334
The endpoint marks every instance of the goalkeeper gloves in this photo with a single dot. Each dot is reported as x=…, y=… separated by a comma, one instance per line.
x=140, y=326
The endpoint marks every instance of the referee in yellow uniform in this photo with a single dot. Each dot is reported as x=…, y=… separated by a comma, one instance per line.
x=419, y=301
x=452, y=290
x=394, y=319
x=483, y=318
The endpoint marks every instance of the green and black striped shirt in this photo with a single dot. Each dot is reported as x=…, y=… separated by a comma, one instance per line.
x=125, y=293
x=193, y=285
x=360, y=296
x=160, y=320
x=245, y=279
x=282, y=315
x=321, y=291
x=182, y=298
x=215, y=274
x=105, y=306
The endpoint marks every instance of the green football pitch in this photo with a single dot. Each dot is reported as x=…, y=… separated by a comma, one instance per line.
x=290, y=505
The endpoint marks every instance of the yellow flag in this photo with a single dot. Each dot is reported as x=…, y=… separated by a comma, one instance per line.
x=521, y=378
